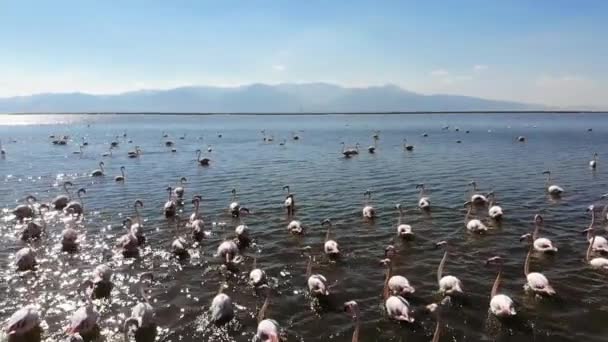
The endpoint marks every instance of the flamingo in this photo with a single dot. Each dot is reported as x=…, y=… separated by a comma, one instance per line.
x=101, y=283
x=75, y=207
x=541, y=244
x=69, y=240
x=536, y=282
x=134, y=153
x=368, y=210
x=290, y=202
x=257, y=276
x=170, y=207
x=593, y=162
x=448, y=285
x=317, y=283
x=202, y=162
x=397, y=307
x=268, y=329
x=600, y=244
x=424, y=202
x=228, y=251
x=128, y=243
x=83, y=323
x=477, y=198
x=122, y=176
x=99, y=172
x=372, y=148
x=500, y=305
x=473, y=225
x=295, y=227
x=552, y=189
x=295, y=136
x=24, y=322
x=397, y=285
x=61, y=201
x=494, y=211
x=242, y=230
x=600, y=262
x=352, y=308
x=25, y=259
x=2, y=150
x=407, y=146
x=142, y=316
x=234, y=205
x=107, y=154
x=23, y=211
x=79, y=150
x=221, y=309
x=33, y=229
x=330, y=247
x=403, y=230
x=137, y=228
x=180, y=190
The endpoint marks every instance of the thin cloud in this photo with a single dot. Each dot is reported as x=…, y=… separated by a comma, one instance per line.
x=279, y=67
x=480, y=67
x=439, y=73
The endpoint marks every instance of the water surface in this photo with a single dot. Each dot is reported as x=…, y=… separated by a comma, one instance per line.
x=326, y=185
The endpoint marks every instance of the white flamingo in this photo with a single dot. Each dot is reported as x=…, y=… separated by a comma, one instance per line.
x=134, y=153
x=61, y=201
x=295, y=227
x=203, y=161
x=403, y=230
x=369, y=212
x=500, y=305
x=99, y=172
x=397, y=307
x=23, y=322
x=181, y=189
x=143, y=315
x=330, y=247
x=552, y=189
x=290, y=202
x=448, y=285
x=541, y=244
x=235, y=206
x=473, y=225
x=593, y=162
x=221, y=309
x=23, y=211
x=25, y=259
x=257, y=276
x=424, y=202
x=170, y=207
x=397, y=285
x=600, y=243
x=317, y=283
x=477, y=198
x=122, y=176
x=2, y=150
x=228, y=252
x=494, y=210
x=599, y=262
x=76, y=207
x=536, y=282
x=268, y=329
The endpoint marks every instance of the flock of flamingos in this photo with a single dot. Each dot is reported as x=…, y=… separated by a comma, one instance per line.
x=24, y=324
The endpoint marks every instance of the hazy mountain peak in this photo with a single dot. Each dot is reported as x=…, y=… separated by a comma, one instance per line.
x=257, y=97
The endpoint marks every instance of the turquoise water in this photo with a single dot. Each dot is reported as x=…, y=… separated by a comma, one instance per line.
x=326, y=185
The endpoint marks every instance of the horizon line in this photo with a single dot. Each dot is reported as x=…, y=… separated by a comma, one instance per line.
x=320, y=113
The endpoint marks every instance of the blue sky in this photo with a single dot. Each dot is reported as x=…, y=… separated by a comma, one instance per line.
x=552, y=52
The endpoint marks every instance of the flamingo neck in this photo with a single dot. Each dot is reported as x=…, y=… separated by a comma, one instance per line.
x=356, y=331
x=527, y=262
x=385, y=291
x=496, y=283
x=588, y=255
x=441, y=267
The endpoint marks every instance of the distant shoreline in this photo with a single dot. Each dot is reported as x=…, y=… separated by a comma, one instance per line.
x=325, y=113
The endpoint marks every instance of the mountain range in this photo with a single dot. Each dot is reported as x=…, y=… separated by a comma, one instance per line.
x=257, y=98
